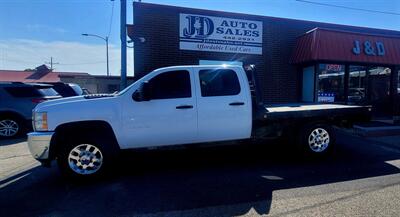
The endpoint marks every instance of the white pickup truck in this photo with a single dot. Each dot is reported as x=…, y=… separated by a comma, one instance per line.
x=176, y=106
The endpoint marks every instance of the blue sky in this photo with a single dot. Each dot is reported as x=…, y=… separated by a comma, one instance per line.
x=32, y=31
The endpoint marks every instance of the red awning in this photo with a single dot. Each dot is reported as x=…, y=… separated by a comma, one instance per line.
x=341, y=46
x=29, y=76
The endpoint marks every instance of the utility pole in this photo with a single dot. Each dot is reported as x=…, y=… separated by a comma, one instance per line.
x=51, y=63
x=108, y=67
x=123, y=44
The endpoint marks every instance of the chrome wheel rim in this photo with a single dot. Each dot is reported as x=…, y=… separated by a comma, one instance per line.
x=319, y=140
x=85, y=159
x=8, y=128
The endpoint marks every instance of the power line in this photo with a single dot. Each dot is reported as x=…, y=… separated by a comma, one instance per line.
x=111, y=19
x=19, y=61
x=86, y=63
x=64, y=64
x=349, y=8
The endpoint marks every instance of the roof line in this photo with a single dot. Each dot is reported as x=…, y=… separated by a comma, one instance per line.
x=263, y=16
x=348, y=31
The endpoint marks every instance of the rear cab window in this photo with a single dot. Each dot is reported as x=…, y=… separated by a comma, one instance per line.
x=219, y=82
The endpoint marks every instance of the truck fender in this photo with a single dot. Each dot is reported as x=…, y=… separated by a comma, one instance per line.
x=82, y=129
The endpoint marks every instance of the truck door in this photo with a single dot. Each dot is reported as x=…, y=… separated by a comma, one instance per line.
x=224, y=105
x=170, y=115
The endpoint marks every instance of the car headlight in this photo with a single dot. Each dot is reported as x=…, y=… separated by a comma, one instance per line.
x=40, y=121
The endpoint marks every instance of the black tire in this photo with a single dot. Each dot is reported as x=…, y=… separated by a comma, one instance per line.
x=15, y=122
x=323, y=143
x=66, y=164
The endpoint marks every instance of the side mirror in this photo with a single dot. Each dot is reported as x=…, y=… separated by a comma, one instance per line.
x=143, y=93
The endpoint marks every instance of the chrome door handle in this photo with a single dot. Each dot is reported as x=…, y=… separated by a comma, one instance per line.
x=184, y=107
x=236, y=103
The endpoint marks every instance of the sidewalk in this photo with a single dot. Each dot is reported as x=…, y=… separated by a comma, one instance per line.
x=15, y=158
x=393, y=141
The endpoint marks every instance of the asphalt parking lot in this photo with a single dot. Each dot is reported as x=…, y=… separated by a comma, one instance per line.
x=362, y=179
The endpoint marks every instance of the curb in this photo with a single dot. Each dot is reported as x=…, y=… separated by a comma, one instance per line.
x=353, y=133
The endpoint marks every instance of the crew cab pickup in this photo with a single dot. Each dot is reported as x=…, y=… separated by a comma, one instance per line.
x=179, y=105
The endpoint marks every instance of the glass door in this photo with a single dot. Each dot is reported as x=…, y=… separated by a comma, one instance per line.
x=357, y=85
x=378, y=90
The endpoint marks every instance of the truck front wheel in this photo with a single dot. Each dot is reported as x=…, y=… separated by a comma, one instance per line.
x=82, y=159
x=317, y=139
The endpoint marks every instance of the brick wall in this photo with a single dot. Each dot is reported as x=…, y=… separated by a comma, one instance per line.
x=280, y=81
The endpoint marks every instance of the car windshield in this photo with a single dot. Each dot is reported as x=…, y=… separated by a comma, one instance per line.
x=129, y=87
x=76, y=89
x=47, y=91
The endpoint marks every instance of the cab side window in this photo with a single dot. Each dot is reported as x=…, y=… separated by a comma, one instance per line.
x=219, y=82
x=170, y=85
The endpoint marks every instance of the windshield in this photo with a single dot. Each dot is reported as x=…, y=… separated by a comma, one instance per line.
x=77, y=89
x=134, y=83
x=126, y=89
x=48, y=92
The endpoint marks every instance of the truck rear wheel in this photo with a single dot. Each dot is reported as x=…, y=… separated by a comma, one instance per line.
x=83, y=158
x=317, y=139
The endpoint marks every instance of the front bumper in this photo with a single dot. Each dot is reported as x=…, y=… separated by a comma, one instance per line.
x=39, y=144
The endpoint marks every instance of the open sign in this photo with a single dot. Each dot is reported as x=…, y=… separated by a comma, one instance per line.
x=334, y=67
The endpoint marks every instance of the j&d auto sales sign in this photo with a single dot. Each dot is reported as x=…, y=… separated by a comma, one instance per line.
x=219, y=34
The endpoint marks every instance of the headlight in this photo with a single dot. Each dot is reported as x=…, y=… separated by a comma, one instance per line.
x=40, y=121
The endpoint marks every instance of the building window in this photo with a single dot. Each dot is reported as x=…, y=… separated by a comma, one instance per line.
x=220, y=82
x=171, y=85
x=357, y=84
x=379, y=84
x=330, y=83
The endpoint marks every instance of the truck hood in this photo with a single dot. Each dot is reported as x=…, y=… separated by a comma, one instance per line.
x=80, y=108
x=74, y=99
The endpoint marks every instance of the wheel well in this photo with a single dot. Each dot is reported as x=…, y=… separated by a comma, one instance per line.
x=82, y=129
x=295, y=127
x=310, y=122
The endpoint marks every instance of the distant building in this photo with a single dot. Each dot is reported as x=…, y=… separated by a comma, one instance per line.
x=94, y=83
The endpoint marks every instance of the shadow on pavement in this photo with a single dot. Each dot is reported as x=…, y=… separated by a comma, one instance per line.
x=159, y=181
x=12, y=141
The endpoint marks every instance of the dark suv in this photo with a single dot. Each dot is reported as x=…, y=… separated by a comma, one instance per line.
x=67, y=89
x=16, y=103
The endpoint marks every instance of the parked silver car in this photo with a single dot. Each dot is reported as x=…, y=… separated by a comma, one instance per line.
x=67, y=89
x=16, y=103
